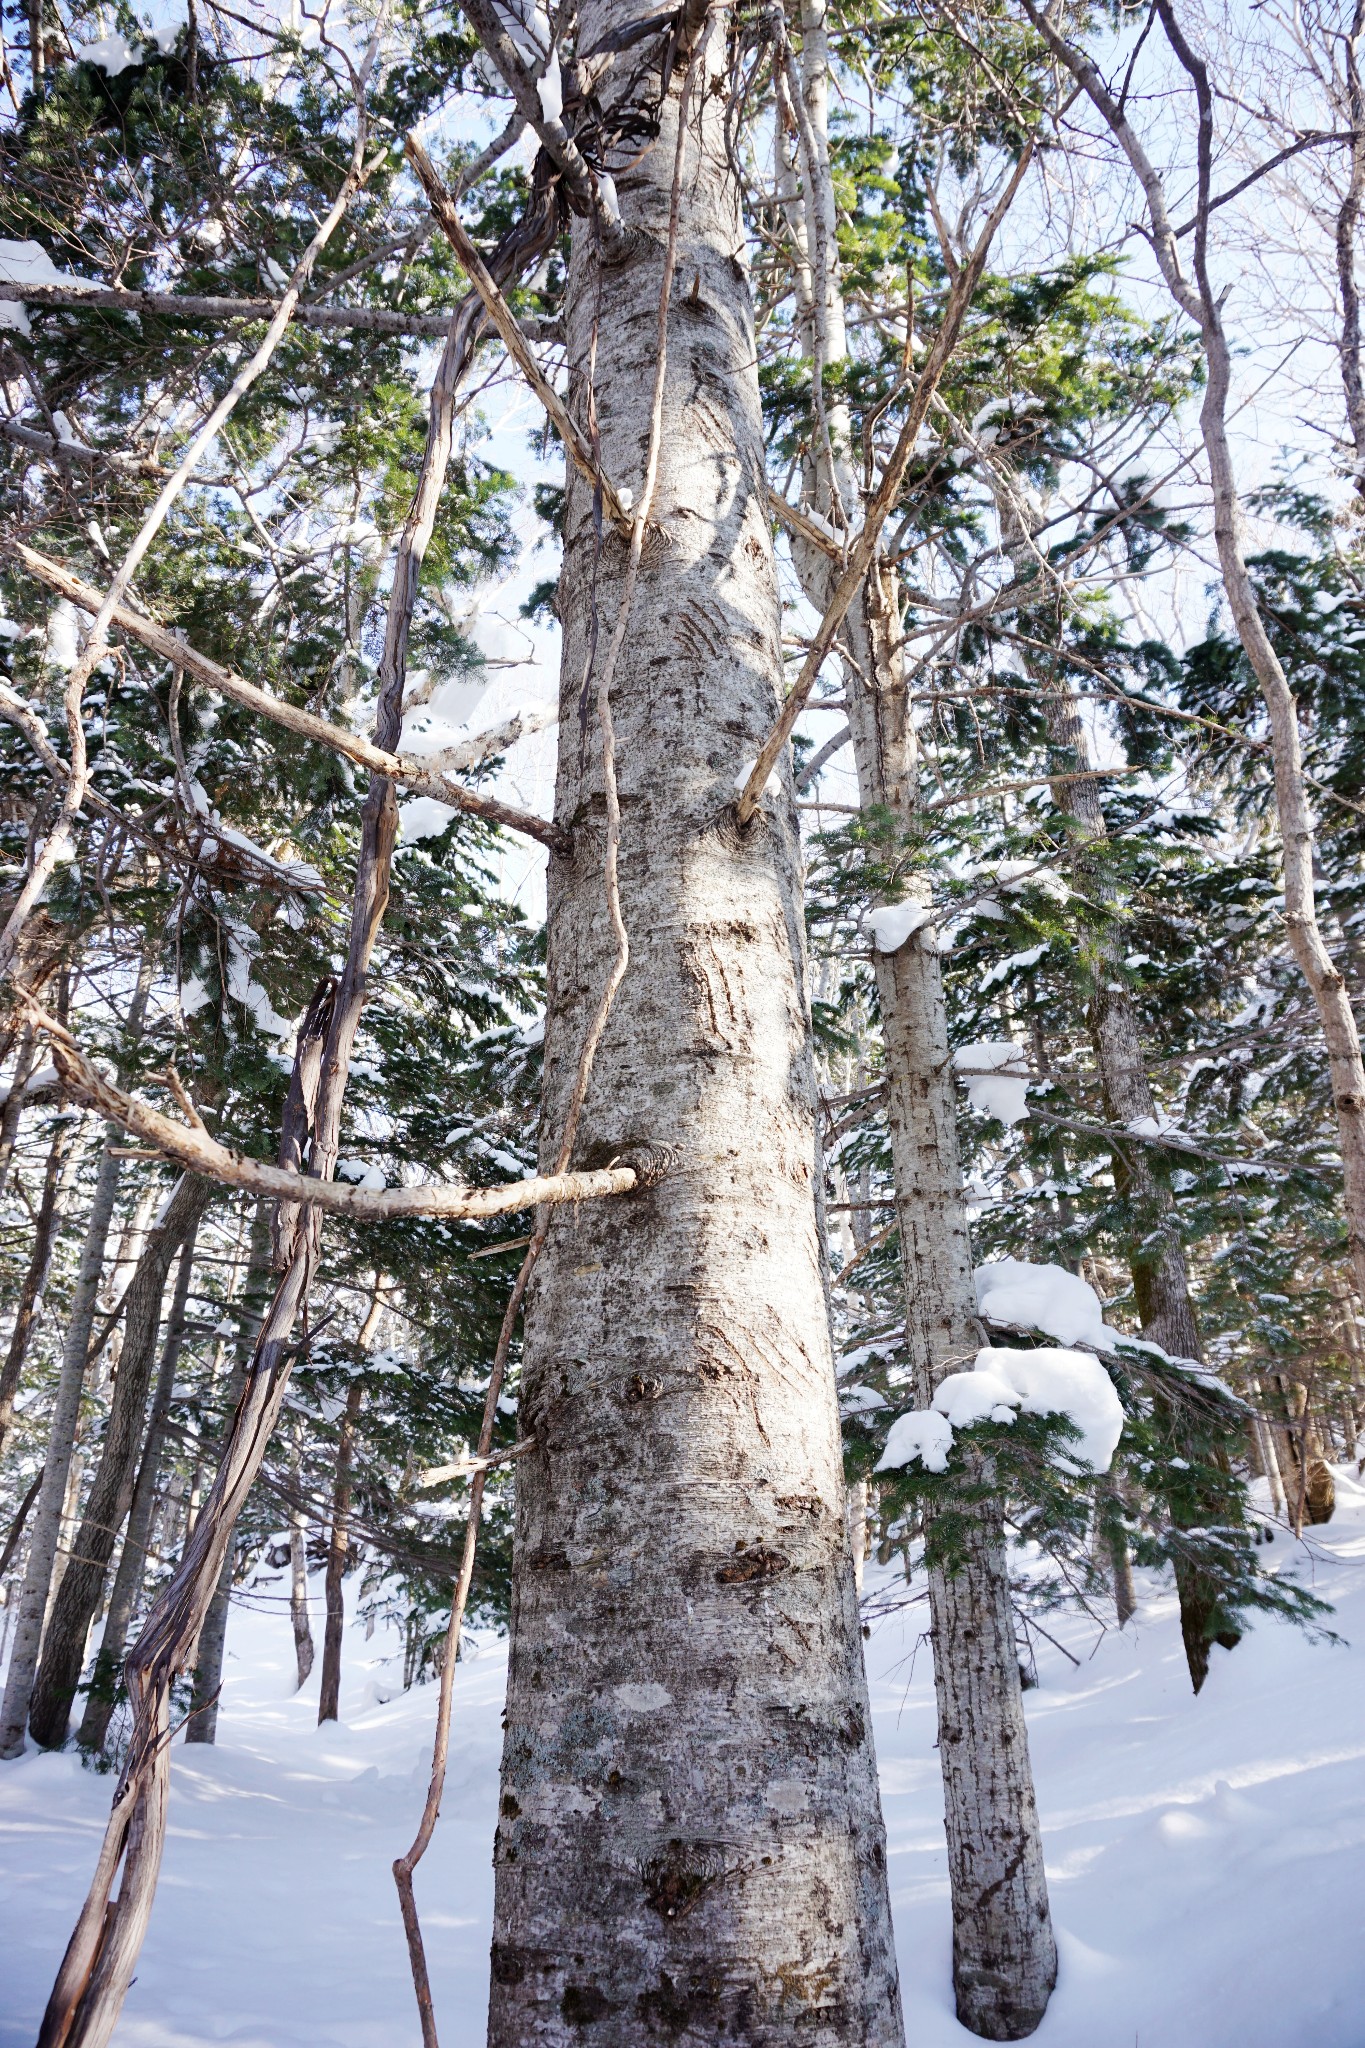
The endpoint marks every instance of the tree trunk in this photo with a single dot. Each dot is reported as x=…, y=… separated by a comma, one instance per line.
x=17, y=1526
x=298, y=1578
x=47, y=1515
x=690, y=1838
x=329, y=1695
x=1200, y=301
x=202, y=1725
x=56, y=1184
x=132, y=1563
x=1267, y=1450
x=1156, y=1256
x=13, y=1110
x=111, y=1491
x=1004, y=1954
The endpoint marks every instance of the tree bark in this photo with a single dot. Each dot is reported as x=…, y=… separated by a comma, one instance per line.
x=1156, y=1257
x=56, y=1183
x=1004, y=1953
x=329, y=1694
x=202, y=1725
x=18, y=1525
x=690, y=1838
x=13, y=1110
x=111, y=1491
x=132, y=1563
x=298, y=1579
x=47, y=1515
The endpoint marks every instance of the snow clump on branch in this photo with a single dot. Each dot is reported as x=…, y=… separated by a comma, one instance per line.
x=996, y=1074
x=1002, y=1384
x=1045, y=1298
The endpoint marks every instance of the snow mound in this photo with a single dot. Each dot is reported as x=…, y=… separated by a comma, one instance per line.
x=996, y=1075
x=1001, y=1383
x=1046, y=1298
x=29, y=263
x=921, y=1434
x=893, y=923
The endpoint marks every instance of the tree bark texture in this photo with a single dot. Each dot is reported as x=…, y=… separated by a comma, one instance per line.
x=1004, y=1953
x=202, y=1725
x=47, y=1515
x=1161, y=1285
x=329, y=1691
x=111, y=1491
x=298, y=1582
x=45, y=1232
x=24, y=1059
x=132, y=1563
x=690, y=1842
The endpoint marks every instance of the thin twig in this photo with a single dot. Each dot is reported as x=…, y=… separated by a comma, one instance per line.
x=861, y=554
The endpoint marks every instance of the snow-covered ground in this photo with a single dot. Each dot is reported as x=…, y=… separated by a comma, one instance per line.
x=1206, y=1857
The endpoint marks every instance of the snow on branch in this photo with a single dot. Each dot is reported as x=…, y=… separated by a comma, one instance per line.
x=1002, y=1384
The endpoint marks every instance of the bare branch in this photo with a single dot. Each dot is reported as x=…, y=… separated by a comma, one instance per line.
x=196, y=1150
x=503, y=318
x=418, y=776
x=861, y=554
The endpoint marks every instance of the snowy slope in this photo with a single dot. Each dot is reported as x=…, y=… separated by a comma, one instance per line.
x=1206, y=1857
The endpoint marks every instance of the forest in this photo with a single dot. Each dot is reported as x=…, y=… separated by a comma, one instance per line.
x=682, y=941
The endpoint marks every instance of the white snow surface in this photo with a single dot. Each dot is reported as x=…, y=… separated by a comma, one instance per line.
x=893, y=923
x=995, y=1072
x=111, y=54
x=1046, y=1298
x=421, y=817
x=1048, y=1381
x=1198, y=1850
x=923, y=1434
x=29, y=263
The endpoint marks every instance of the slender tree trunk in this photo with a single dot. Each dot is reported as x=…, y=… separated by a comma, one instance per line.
x=1348, y=223
x=13, y=1110
x=1157, y=1256
x=47, y=1515
x=1198, y=298
x=298, y=1577
x=132, y=1563
x=1267, y=1449
x=111, y=1491
x=202, y=1725
x=329, y=1695
x=17, y=1527
x=690, y=1842
x=1004, y=1953
x=61, y=1162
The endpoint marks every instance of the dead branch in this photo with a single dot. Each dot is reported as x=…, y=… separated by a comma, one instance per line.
x=160, y=640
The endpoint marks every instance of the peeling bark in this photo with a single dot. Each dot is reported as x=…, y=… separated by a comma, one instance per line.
x=132, y=1563
x=111, y=1491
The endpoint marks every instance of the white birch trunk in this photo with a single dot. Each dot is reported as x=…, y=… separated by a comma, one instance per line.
x=690, y=1842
